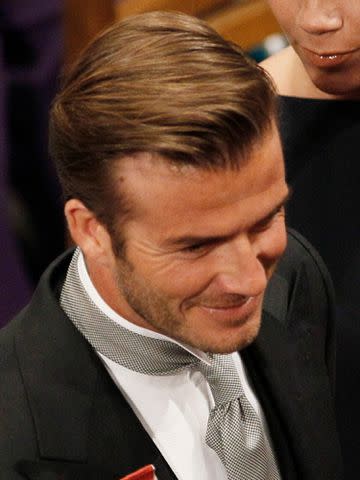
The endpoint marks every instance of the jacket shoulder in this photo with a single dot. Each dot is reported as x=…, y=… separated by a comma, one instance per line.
x=301, y=295
x=301, y=254
x=17, y=422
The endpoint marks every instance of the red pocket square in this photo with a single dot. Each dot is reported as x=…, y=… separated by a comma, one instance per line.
x=144, y=473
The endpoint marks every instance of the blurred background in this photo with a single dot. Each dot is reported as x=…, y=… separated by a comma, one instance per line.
x=38, y=41
x=246, y=22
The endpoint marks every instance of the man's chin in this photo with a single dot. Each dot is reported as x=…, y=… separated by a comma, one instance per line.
x=232, y=340
x=233, y=345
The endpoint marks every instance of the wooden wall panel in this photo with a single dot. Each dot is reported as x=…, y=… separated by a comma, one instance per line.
x=124, y=8
x=246, y=24
x=83, y=20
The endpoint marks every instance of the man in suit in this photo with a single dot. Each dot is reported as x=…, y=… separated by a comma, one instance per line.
x=187, y=330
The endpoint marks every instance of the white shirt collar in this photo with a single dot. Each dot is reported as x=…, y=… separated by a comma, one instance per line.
x=109, y=312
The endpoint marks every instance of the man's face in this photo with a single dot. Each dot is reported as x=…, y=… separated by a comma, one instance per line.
x=200, y=247
x=326, y=36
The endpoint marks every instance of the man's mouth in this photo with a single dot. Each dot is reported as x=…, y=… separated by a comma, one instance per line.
x=227, y=304
x=230, y=312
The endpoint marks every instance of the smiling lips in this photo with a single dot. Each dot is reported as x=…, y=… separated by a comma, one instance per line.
x=326, y=60
x=239, y=311
x=228, y=305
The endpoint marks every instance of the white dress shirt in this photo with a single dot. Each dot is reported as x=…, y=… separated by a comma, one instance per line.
x=173, y=409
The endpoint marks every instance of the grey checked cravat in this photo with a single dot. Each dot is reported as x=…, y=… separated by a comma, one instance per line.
x=234, y=430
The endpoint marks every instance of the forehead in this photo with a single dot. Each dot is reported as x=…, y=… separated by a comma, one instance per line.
x=168, y=197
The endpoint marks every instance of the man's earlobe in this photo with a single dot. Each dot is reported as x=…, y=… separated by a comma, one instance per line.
x=86, y=230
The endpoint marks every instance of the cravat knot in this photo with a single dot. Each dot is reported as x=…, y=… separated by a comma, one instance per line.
x=223, y=378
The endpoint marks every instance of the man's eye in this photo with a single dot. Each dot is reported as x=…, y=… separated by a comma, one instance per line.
x=196, y=247
x=264, y=225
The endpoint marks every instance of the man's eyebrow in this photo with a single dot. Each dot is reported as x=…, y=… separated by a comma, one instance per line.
x=273, y=212
x=204, y=240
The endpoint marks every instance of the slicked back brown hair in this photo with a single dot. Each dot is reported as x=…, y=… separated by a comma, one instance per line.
x=163, y=83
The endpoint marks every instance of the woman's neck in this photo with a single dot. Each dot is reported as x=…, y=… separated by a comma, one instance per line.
x=290, y=76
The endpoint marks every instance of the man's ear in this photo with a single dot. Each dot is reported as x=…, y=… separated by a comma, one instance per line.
x=87, y=232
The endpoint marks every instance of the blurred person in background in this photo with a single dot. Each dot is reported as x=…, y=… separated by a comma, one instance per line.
x=31, y=219
x=318, y=79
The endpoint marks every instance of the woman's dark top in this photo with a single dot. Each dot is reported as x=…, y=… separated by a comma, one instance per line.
x=321, y=146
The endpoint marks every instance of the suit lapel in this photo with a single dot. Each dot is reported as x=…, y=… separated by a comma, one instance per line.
x=79, y=414
x=114, y=425
x=59, y=375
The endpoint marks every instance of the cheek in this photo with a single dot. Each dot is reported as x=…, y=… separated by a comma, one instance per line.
x=176, y=280
x=285, y=13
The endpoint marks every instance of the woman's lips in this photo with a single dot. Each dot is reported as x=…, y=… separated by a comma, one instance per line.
x=326, y=60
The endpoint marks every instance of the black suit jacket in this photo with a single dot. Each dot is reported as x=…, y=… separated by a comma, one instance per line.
x=63, y=417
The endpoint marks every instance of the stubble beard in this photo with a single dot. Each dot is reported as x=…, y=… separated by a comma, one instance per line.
x=153, y=312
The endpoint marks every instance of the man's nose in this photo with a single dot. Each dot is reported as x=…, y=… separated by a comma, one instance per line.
x=320, y=16
x=240, y=269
